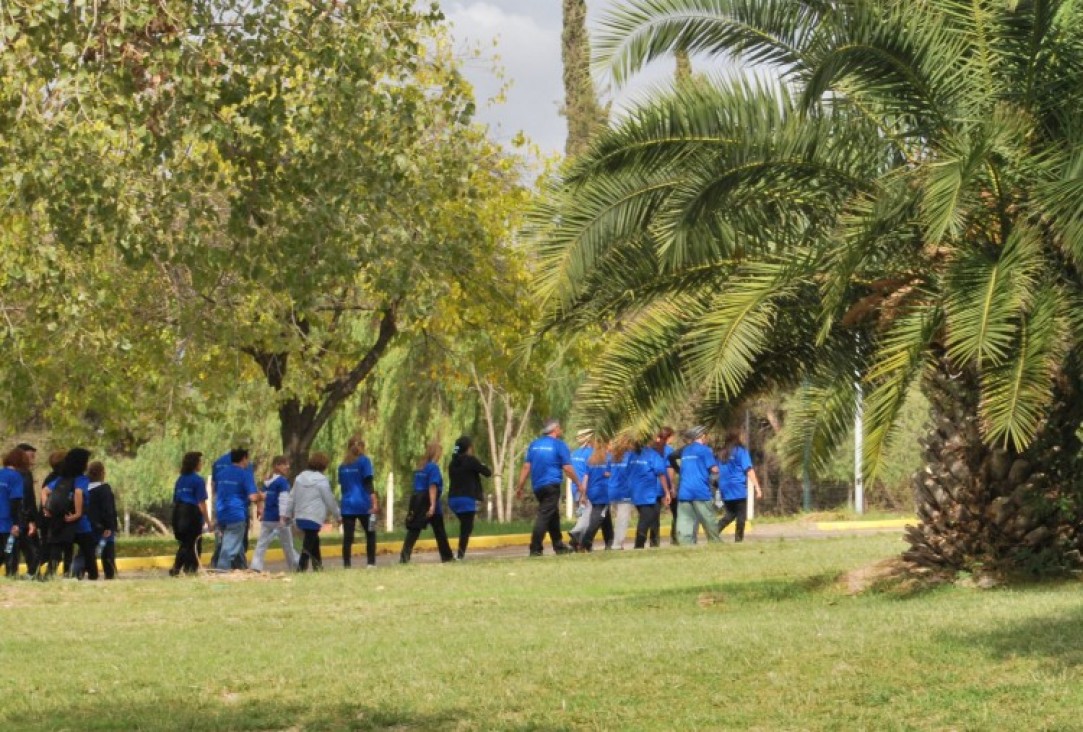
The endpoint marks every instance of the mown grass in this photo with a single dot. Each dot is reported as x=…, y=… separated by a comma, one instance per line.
x=756, y=636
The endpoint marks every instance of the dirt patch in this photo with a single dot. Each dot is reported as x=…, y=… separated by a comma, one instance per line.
x=243, y=575
x=894, y=575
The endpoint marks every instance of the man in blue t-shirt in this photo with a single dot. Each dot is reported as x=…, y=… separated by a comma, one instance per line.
x=548, y=460
x=234, y=490
x=582, y=502
x=696, y=464
x=272, y=524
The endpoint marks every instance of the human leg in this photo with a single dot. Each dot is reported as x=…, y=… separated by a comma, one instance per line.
x=285, y=538
x=607, y=527
x=408, y=545
x=735, y=511
x=582, y=521
x=654, y=531
x=232, y=545
x=349, y=522
x=439, y=531
x=620, y=524
x=598, y=515
x=643, y=525
x=370, y=538
x=466, y=528
x=703, y=515
x=548, y=505
x=267, y=532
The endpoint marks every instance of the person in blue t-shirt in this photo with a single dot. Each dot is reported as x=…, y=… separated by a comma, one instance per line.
x=580, y=457
x=696, y=464
x=661, y=445
x=425, y=509
x=360, y=504
x=735, y=474
x=234, y=490
x=65, y=529
x=11, y=507
x=597, y=490
x=272, y=524
x=190, y=514
x=548, y=460
x=645, y=473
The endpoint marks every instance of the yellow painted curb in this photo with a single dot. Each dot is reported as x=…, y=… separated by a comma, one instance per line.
x=500, y=541
x=859, y=525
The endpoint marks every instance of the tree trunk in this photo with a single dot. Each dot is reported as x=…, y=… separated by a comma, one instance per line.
x=993, y=510
x=300, y=422
x=581, y=107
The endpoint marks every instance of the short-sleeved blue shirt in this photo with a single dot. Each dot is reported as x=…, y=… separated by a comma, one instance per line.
x=733, y=474
x=233, y=488
x=11, y=489
x=271, y=494
x=598, y=482
x=645, y=468
x=356, y=500
x=696, y=463
x=430, y=475
x=620, y=490
x=190, y=488
x=547, y=457
x=579, y=462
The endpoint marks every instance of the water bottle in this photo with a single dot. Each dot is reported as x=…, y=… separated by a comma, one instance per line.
x=580, y=510
x=10, y=545
x=372, y=522
x=101, y=548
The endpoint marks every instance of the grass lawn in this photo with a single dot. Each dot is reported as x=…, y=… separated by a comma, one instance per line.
x=756, y=636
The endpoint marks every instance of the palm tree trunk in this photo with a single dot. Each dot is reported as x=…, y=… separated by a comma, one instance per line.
x=992, y=510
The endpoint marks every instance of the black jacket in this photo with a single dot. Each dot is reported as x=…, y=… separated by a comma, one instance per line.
x=30, y=500
x=464, y=473
x=102, y=509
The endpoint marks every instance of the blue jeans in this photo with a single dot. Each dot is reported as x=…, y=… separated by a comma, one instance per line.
x=232, y=546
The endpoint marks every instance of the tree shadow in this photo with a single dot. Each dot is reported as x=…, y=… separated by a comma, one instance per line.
x=216, y=713
x=1052, y=639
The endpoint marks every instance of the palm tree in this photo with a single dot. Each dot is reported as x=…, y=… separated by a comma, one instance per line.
x=900, y=201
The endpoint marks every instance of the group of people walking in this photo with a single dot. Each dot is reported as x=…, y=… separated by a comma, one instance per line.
x=77, y=509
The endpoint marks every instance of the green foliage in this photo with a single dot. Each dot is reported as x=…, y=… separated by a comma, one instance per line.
x=906, y=197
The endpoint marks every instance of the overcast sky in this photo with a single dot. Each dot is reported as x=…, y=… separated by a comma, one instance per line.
x=527, y=37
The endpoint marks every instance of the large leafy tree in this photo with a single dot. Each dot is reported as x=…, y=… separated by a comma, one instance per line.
x=286, y=186
x=899, y=200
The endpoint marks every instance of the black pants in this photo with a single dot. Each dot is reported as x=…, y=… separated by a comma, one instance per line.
x=87, y=559
x=466, y=528
x=4, y=558
x=59, y=551
x=187, y=559
x=348, y=522
x=648, y=518
x=654, y=532
x=547, y=520
x=673, y=523
x=30, y=549
x=310, y=551
x=735, y=510
x=439, y=533
x=109, y=560
x=600, y=518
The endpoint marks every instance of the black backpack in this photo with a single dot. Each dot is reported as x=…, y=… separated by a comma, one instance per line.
x=61, y=501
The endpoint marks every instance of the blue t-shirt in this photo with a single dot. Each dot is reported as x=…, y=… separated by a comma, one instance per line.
x=426, y=476
x=733, y=474
x=356, y=500
x=579, y=463
x=233, y=487
x=620, y=490
x=667, y=450
x=547, y=457
x=82, y=485
x=306, y=525
x=271, y=493
x=598, y=483
x=696, y=463
x=11, y=488
x=644, y=470
x=190, y=488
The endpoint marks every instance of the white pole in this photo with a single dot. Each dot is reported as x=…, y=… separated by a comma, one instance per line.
x=748, y=489
x=389, y=503
x=859, y=446
x=489, y=507
x=751, y=499
x=569, y=507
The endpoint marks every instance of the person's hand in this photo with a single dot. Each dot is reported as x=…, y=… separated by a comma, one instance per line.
x=71, y=517
x=519, y=493
x=430, y=512
x=31, y=529
x=759, y=493
x=281, y=523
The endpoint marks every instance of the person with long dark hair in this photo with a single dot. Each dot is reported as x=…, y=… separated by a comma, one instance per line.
x=620, y=490
x=464, y=475
x=11, y=509
x=66, y=513
x=646, y=476
x=102, y=512
x=190, y=514
x=360, y=503
x=309, y=504
x=663, y=447
x=735, y=475
x=28, y=542
x=425, y=509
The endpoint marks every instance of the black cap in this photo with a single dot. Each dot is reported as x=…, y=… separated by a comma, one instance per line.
x=26, y=447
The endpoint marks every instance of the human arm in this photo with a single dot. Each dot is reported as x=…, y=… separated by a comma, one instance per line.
x=111, y=521
x=283, y=507
x=583, y=492
x=755, y=482
x=206, y=513
x=480, y=468
x=16, y=507
x=369, y=484
x=569, y=471
x=434, y=494
x=77, y=511
x=329, y=500
x=523, y=473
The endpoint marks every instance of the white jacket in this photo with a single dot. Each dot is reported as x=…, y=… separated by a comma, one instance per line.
x=311, y=499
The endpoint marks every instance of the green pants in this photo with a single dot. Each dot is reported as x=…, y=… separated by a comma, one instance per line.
x=689, y=513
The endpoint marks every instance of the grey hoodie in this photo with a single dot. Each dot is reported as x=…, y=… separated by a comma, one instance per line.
x=311, y=499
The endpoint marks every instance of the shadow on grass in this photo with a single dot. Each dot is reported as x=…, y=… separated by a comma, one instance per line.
x=202, y=713
x=752, y=591
x=1052, y=639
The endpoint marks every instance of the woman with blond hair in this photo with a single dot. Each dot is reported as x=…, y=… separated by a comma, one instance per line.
x=619, y=490
x=360, y=504
x=425, y=509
